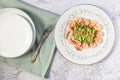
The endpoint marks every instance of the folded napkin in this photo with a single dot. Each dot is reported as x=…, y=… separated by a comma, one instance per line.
x=40, y=18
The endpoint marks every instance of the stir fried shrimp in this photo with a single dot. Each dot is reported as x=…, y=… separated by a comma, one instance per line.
x=78, y=20
x=68, y=33
x=71, y=24
x=83, y=33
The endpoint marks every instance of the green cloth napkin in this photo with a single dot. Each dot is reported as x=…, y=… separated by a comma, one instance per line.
x=40, y=18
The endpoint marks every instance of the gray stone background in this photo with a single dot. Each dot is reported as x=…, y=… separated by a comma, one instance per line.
x=62, y=69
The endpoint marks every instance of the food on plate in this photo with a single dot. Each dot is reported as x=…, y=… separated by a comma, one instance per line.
x=83, y=33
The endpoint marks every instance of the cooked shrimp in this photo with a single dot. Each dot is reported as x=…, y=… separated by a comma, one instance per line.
x=71, y=24
x=84, y=45
x=82, y=23
x=92, y=45
x=92, y=24
x=97, y=40
x=77, y=47
x=71, y=39
x=97, y=27
x=86, y=22
x=71, y=32
x=99, y=34
x=68, y=32
x=78, y=42
x=78, y=20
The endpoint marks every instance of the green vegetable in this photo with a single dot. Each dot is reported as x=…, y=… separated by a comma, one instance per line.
x=83, y=33
x=93, y=31
x=80, y=38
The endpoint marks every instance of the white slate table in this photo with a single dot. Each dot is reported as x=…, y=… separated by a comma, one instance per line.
x=62, y=69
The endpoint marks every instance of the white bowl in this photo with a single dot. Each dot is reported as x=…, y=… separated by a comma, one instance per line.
x=17, y=32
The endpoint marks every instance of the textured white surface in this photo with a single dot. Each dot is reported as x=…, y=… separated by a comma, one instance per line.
x=62, y=69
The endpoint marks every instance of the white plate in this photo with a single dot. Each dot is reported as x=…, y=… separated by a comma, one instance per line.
x=22, y=14
x=90, y=55
x=17, y=32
